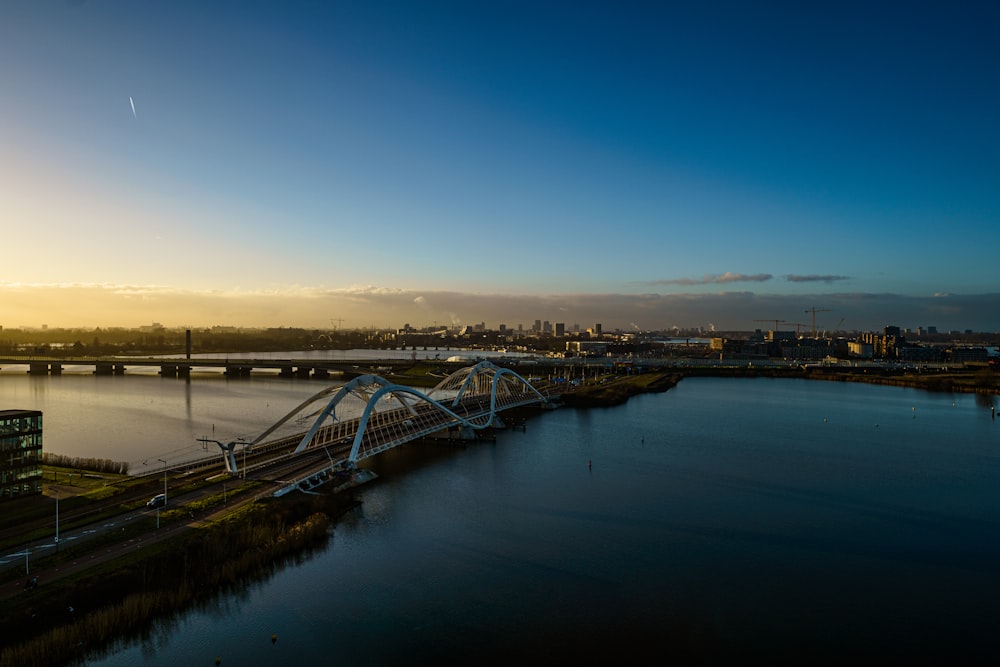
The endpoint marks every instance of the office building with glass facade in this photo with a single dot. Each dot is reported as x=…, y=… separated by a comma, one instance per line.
x=20, y=453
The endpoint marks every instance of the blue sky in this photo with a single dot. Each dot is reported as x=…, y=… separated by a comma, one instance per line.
x=643, y=165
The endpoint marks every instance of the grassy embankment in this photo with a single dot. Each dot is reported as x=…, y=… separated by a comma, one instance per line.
x=615, y=390
x=120, y=597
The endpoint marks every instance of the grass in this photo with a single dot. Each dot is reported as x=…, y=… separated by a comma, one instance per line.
x=121, y=597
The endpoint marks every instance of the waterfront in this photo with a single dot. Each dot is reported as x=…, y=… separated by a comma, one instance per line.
x=724, y=517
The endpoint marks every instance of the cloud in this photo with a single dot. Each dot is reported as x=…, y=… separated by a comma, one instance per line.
x=719, y=279
x=814, y=278
x=107, y=305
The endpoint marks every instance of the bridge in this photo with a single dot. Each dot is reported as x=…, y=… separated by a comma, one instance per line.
x=370, y=415
x=183, y=366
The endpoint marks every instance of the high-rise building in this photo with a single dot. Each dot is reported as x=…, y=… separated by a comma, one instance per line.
x=20, y=453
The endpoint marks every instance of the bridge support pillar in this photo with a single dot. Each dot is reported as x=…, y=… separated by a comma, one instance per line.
x=55, y=369
x=229, y=456
x=321, y=373
x=103, y=368
x=37, y=368
x=303, y=372
x=286, y=372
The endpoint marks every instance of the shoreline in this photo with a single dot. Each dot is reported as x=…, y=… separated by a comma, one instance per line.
x=615, y=392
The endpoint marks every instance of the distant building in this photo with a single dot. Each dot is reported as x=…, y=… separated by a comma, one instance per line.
x=919, y=353
x=586, y=348
x=857, y=348
x=885, y=346
x=560, y=329
x=961, y=355
x=20, y=453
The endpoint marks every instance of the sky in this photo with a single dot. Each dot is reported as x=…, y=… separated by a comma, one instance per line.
x=643, y=165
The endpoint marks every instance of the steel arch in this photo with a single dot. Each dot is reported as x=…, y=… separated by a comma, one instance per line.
x=398, y=414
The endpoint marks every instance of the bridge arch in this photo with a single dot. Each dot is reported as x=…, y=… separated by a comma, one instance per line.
x=375, y=414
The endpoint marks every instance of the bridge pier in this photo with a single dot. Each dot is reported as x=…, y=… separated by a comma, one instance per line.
x=237, y=371
x=38, y=368
x=175, y=370
x=286, y=372
x=321, y=373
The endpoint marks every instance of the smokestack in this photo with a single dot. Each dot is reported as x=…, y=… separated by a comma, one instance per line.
x=187, y=343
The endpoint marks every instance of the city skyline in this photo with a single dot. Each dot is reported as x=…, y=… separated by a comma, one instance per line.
x=644, y=165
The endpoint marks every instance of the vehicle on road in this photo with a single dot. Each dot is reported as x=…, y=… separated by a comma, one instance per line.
x=157, y=501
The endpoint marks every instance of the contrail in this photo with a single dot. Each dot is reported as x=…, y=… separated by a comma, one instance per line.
x=133, y=105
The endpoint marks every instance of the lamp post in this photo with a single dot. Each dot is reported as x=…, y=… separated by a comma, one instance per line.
x=57, y=519
x=164, y=481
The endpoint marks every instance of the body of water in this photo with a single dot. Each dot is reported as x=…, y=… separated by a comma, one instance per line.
x=723, y=520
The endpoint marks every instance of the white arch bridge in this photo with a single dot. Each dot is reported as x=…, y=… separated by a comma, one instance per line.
x=370, y=415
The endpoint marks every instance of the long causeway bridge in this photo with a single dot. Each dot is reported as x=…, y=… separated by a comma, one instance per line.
x=346, y=424
x=183, y=366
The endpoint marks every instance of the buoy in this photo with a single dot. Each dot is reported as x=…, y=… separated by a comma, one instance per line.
x=218, y=661
x=590, y=464
x=274, y=638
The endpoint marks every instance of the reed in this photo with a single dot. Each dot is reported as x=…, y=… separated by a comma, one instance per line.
x=225, y=558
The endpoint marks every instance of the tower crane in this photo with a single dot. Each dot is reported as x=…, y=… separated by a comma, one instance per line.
x=338, y=320
x=815, y=310
x=775, y=323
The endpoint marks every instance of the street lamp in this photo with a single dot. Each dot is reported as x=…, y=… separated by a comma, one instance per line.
x=57, y=518
x=164, y=481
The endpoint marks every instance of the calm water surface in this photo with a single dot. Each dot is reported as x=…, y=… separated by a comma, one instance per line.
x=721, y=520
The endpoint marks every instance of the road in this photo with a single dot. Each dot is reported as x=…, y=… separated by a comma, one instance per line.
x=47, y=571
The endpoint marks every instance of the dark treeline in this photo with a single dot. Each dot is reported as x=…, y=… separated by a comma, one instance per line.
x=85, y=463
x=159, y=340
